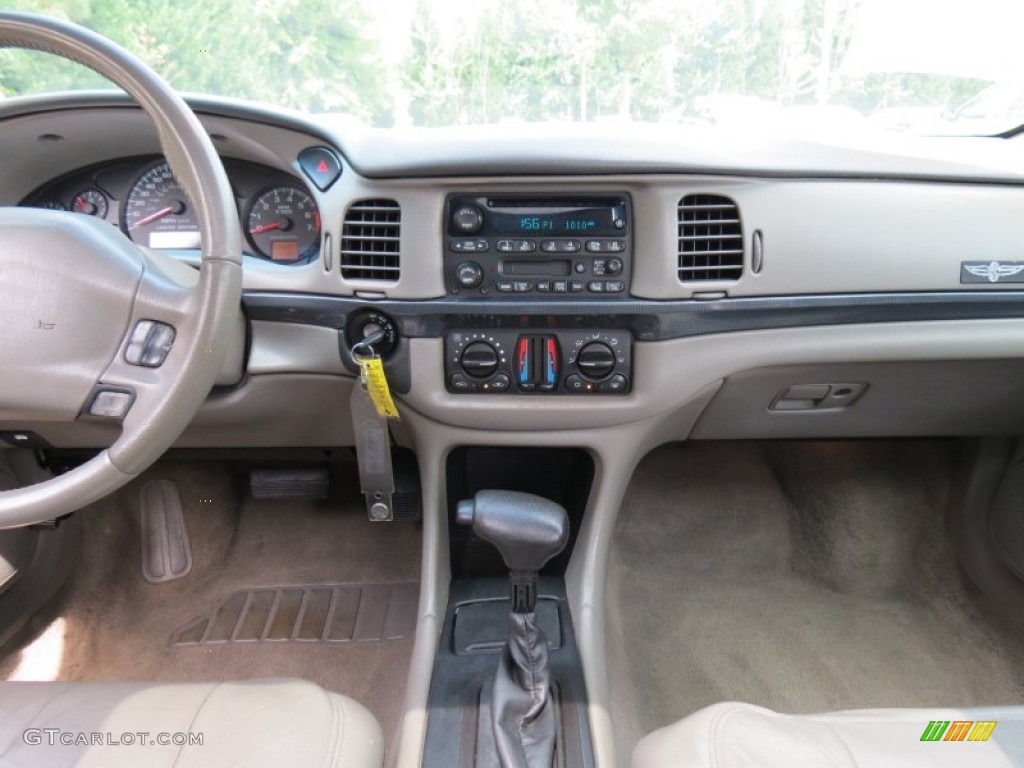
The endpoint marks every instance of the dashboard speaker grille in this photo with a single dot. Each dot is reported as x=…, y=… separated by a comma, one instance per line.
x=370, y=240
x=710, y=239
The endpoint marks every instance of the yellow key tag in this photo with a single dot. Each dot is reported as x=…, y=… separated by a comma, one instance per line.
x=372, y=374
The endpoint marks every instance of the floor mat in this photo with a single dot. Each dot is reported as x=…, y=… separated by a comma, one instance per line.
x=325, y=613
x=798, y=576
x=114, y=625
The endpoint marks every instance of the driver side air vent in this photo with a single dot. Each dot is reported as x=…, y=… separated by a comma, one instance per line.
x=710, y=239
x=370, y=239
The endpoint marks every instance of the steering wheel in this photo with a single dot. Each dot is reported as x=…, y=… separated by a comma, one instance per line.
x=76, y=295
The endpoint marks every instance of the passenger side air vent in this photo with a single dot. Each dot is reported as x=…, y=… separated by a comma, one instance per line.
x=370, y=240
x=710, y=239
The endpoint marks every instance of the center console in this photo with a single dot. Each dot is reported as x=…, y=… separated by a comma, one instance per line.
x=532, y=249
x=508, y=668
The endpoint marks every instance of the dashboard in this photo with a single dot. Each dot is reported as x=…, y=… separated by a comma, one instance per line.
x=678, y=282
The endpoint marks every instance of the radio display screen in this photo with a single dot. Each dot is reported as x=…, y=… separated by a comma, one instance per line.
x=557, y=224
x=538, y=217
x=578, y=221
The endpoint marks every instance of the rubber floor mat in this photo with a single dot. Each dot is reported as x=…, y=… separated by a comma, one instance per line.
x=314, y=613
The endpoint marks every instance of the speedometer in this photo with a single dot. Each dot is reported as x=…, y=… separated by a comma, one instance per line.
x=283, y=224
x=157, y=213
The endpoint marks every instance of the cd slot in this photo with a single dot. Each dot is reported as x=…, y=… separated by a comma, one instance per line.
x=553, y=268
x=552, y=202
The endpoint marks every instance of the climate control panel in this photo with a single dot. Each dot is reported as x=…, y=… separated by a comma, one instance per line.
x=529, y=362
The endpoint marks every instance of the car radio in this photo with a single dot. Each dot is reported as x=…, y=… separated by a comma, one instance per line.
x=538, y=246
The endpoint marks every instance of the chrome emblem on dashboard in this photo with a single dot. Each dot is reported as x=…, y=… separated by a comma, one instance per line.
x=992, y=271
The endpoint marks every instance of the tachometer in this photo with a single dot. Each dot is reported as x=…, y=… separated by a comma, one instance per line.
x=157, y=212
x=283, y=224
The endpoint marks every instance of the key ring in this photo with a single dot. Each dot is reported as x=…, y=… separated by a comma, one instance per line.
x=367, y=344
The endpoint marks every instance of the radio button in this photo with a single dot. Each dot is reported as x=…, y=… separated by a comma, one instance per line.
x=560, y=246
x=505, y=286
x=468, y=219
x=595, y=286
x=576, y=286
x=516, y=246
x=523, y=286
x=560, y=286
x=466, y=245
x=469, y=274
x=544, y=286
x=606, y=246
x=615, y=286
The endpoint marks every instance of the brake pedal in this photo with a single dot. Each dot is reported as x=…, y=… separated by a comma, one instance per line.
x=166, y=551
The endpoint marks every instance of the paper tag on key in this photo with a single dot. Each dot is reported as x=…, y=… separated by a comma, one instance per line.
x=371, y=372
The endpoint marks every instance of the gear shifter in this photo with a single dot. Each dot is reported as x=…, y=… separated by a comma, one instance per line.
x=528, y=531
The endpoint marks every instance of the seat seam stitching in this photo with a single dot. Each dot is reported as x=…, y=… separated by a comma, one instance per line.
x=31, y=721
x=192, y=721
x=337, y=732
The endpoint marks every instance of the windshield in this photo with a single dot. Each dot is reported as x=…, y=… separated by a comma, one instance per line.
x=923, y=66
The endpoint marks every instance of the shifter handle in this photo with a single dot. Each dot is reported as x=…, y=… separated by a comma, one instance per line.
x=528, y=530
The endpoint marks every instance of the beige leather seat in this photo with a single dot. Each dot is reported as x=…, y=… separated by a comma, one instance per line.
x=259, y=723
x=733, y=735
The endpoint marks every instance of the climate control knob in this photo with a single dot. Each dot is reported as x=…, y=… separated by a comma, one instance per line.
x=479, y=359
x=596, y=360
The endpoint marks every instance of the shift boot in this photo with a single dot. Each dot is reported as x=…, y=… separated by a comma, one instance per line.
x=521, y=708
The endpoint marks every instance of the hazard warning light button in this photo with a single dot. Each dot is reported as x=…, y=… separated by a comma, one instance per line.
x=321, y=165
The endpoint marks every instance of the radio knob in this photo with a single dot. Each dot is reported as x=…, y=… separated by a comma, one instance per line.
x=468, y=219
x=469, y=274
x=479, y=359
x=596, y=360
x=613, y=266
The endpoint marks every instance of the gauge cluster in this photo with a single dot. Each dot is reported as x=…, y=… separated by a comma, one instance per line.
x=142, y=197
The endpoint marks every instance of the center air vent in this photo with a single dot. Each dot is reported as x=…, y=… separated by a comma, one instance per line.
x=710, y=239
x=370, y=240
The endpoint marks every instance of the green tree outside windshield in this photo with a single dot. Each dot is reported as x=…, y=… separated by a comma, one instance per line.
x=435, y=63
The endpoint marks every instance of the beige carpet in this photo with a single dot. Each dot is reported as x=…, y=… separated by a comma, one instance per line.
x=798, y=576
x=117, y=626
